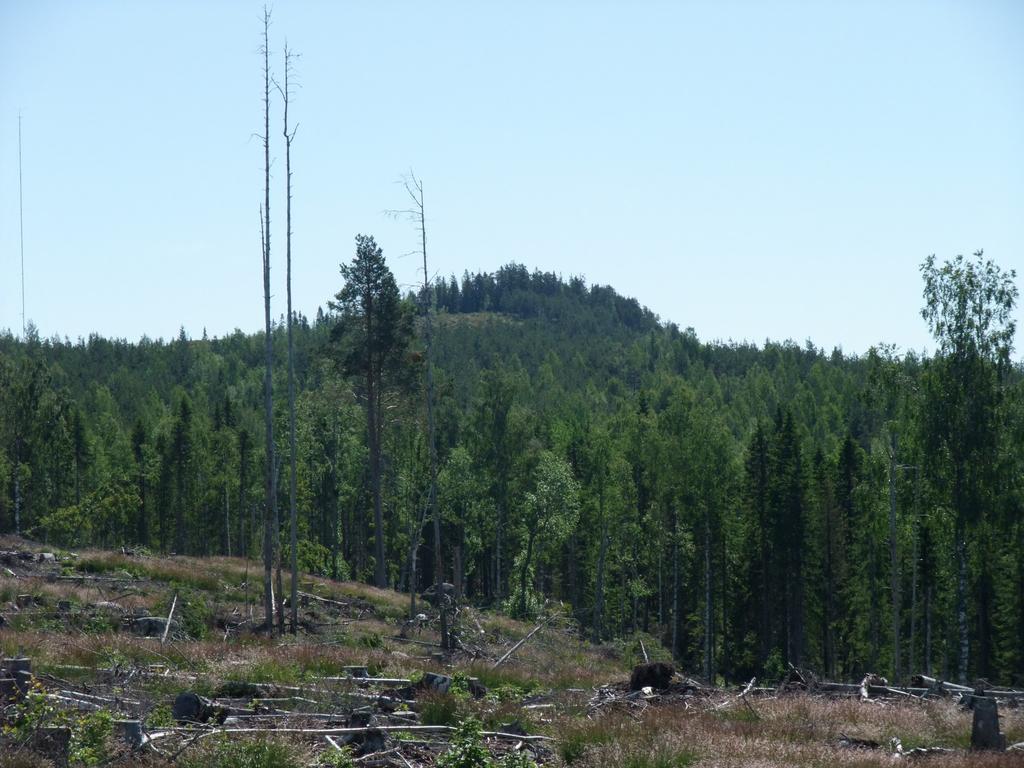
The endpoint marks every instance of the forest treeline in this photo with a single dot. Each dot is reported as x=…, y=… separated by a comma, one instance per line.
x=750, y=506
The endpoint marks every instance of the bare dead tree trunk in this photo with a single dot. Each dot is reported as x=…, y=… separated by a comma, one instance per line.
x=894, y=565
x=963, y=645
x=373, y=438
x=913, y=571
x=16, y=472
x=602, y=553
x=928, y=629
x=675, y=586
x=17, y=498
x=709, y=629
x=293, y=514
x=498, y=529
x=830, y=611
x=270, y=511
x=227, y=520
x=414, y=188
x=414, y=544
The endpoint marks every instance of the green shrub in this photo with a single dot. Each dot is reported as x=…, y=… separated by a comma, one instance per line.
x=466, y=749
x=371, y=641
x=439, y=709
x=160, y=717
x=31, y=713
x=774, y=667
x=192, y=613
x=517, y=760
x=90, y=738
x=338, y=758
x=263, y=753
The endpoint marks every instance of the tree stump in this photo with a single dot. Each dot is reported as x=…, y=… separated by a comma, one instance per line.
x=985, y=733
x=370, y=741
x=130, y=732
x=191, y=708
x=19, y=668
x=53, y=743
x=9, y=691
x=435, y=682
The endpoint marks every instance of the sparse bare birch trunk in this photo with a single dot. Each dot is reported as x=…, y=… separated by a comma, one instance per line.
x=414, y=188
x=270, y=511
x=293, y=514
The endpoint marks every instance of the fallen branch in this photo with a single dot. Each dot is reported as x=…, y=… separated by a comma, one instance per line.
x=897, y=747
x=80, y=704
x=515, y=647
x=167, y=628
x=743, y=697
x=353, y=731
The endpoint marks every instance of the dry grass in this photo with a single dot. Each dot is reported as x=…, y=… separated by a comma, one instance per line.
x=791, y=731
x=787, y=731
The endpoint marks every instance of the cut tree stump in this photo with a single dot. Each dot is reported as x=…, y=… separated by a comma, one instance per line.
x=192, y=708
x=53, y=743
x=985, y=735
x=130, y=732
x=19, y=668
x=439, y=683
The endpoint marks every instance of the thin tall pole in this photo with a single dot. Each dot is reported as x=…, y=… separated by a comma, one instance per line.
x=894, y=575
x=428, y=297
x=21, y=230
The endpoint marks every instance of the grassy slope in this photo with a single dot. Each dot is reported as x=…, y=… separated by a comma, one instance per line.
x=215, y=593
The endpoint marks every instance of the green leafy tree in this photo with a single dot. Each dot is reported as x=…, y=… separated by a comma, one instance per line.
x=551, y=511
x=969, y=310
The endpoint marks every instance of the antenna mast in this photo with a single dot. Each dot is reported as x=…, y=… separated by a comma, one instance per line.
x=21, y=231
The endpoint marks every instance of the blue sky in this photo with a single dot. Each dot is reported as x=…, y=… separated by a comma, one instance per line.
x=753, y=170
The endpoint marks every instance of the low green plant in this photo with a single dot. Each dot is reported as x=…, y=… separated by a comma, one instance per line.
x=466, y=749
x=192, y=612
x=371, y=640
x=338, y=758
x=160, y=717
x=90, y=738
x=263, y=753
x=100, y=624
x=439, y=709
x=517, y=760
x=459, y=687
x=30, y=714
x=774, y=667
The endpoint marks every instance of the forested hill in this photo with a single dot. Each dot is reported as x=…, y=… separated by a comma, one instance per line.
x=750, y=506
x=516, y=291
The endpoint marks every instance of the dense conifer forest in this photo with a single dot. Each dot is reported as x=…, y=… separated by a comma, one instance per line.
x=751, y=506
